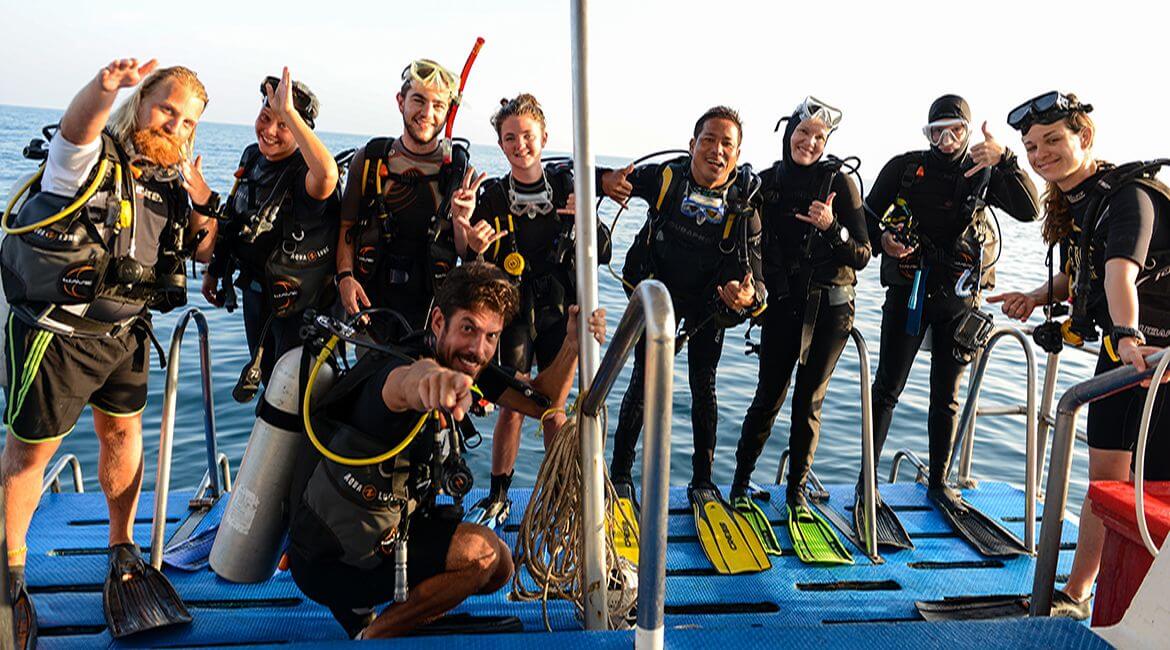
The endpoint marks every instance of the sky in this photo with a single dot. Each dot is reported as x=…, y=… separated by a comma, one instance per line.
x=655, y=65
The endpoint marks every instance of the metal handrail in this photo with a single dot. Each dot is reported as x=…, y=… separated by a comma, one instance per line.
x=906, y=454
x=966, y=428
x=52, y=480
x=225, y=474
x=650, y=310
x=162, y=485
x=1060, y=468
x=1139, y=484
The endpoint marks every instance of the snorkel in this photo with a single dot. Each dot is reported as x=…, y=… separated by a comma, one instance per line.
x=455, y=105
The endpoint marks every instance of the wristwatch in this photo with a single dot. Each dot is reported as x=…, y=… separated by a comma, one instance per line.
x=341, y=275
x=1119, y=333
x=210, y=208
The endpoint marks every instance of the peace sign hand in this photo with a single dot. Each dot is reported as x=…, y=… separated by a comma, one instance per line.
x=124, y=73
x=985, y=154
x=820, y=213
x=463, y=198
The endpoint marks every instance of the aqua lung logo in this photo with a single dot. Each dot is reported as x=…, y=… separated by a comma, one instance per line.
x=57, y=236
x=79, y=281
x=310, y=257
x=285, y=292
x=368, y=493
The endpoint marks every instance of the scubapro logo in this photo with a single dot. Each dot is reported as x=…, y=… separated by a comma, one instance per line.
x=78, y=281
x=285, y=292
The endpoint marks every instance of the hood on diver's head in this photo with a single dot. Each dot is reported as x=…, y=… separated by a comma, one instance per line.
x=790, y=123
x=950, y=107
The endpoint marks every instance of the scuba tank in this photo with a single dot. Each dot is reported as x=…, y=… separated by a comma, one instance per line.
x=248, y=544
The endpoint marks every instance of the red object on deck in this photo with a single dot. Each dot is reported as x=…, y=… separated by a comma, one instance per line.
x=1124, y=559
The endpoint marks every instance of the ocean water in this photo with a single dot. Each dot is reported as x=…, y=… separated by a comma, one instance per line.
x=999, y=448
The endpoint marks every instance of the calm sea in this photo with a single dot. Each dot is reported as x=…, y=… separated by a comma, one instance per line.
x=1000, y=441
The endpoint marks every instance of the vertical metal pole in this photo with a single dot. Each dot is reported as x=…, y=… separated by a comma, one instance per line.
x=1051, y=374
x=592, y=442
x=1055, y=500
x=651, y=632
x=964, y=478
x=162, y=483
x=208, y=407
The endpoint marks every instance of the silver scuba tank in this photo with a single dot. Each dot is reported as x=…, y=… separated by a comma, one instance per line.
x=248, y=544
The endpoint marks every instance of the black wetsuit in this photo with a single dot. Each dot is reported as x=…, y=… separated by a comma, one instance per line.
x=259, y=181
x=547, y=282
x=1135, y=225
x=810, y=276
x=685, y=255
x=935, y=189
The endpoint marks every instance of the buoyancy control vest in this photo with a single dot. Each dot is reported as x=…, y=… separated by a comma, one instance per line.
x=292, y=255
x=116, y=246
x=356, y=511
x=1089, y=308
x=691, y=254
x=539, y=251
x=967, y=241
x=388, y=256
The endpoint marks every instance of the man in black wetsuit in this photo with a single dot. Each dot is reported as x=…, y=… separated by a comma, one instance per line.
x=945, y=236
x=401, y=195
x=713, y=271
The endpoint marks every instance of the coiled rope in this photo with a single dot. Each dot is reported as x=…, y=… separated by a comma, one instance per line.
x=550, y=541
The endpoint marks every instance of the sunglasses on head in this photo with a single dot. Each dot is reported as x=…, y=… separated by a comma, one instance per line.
x=1045, y=109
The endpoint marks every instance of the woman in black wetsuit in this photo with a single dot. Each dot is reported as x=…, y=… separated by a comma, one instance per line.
x=279, y=231
x=523, y=223
x=1110, y=264
x=815, y=241
x=945, y=235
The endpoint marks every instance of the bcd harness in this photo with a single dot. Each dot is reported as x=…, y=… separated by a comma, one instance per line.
x=377, y=227
x=1153, y=282
x=661, y=226
x=61, y=254
x=297, y=272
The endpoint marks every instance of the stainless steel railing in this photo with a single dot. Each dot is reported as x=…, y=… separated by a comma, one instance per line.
x=52, y=481
x=1139, y=470
x=162, y=485
x=1060, y=467
x=966, y=429
x=650, y=311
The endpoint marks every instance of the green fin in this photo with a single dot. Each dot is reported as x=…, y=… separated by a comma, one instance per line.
x=137, y=597
x=725, y=535
x=624, y=514
x=758, y=520
x=813, y=538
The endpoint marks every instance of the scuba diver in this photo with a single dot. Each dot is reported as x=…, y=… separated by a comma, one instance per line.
x=1110, y=226
x=280, y=229
x=396, y=242
x=815, y=241
x=702, y=240
x=523, y=223
x=119, y=187
x=938, y=251
x=364, y=534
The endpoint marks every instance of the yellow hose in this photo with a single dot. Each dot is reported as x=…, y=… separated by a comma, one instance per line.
x=324, y=355
x=66, y=211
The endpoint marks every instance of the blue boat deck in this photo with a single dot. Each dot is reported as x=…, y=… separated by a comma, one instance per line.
x=67, y=561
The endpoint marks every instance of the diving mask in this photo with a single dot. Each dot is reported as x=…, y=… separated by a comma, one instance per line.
x=433, y=75
x=703, y=206
x=1045, y=109
x=530, y=204
x=813, y=108
x=951, y=131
